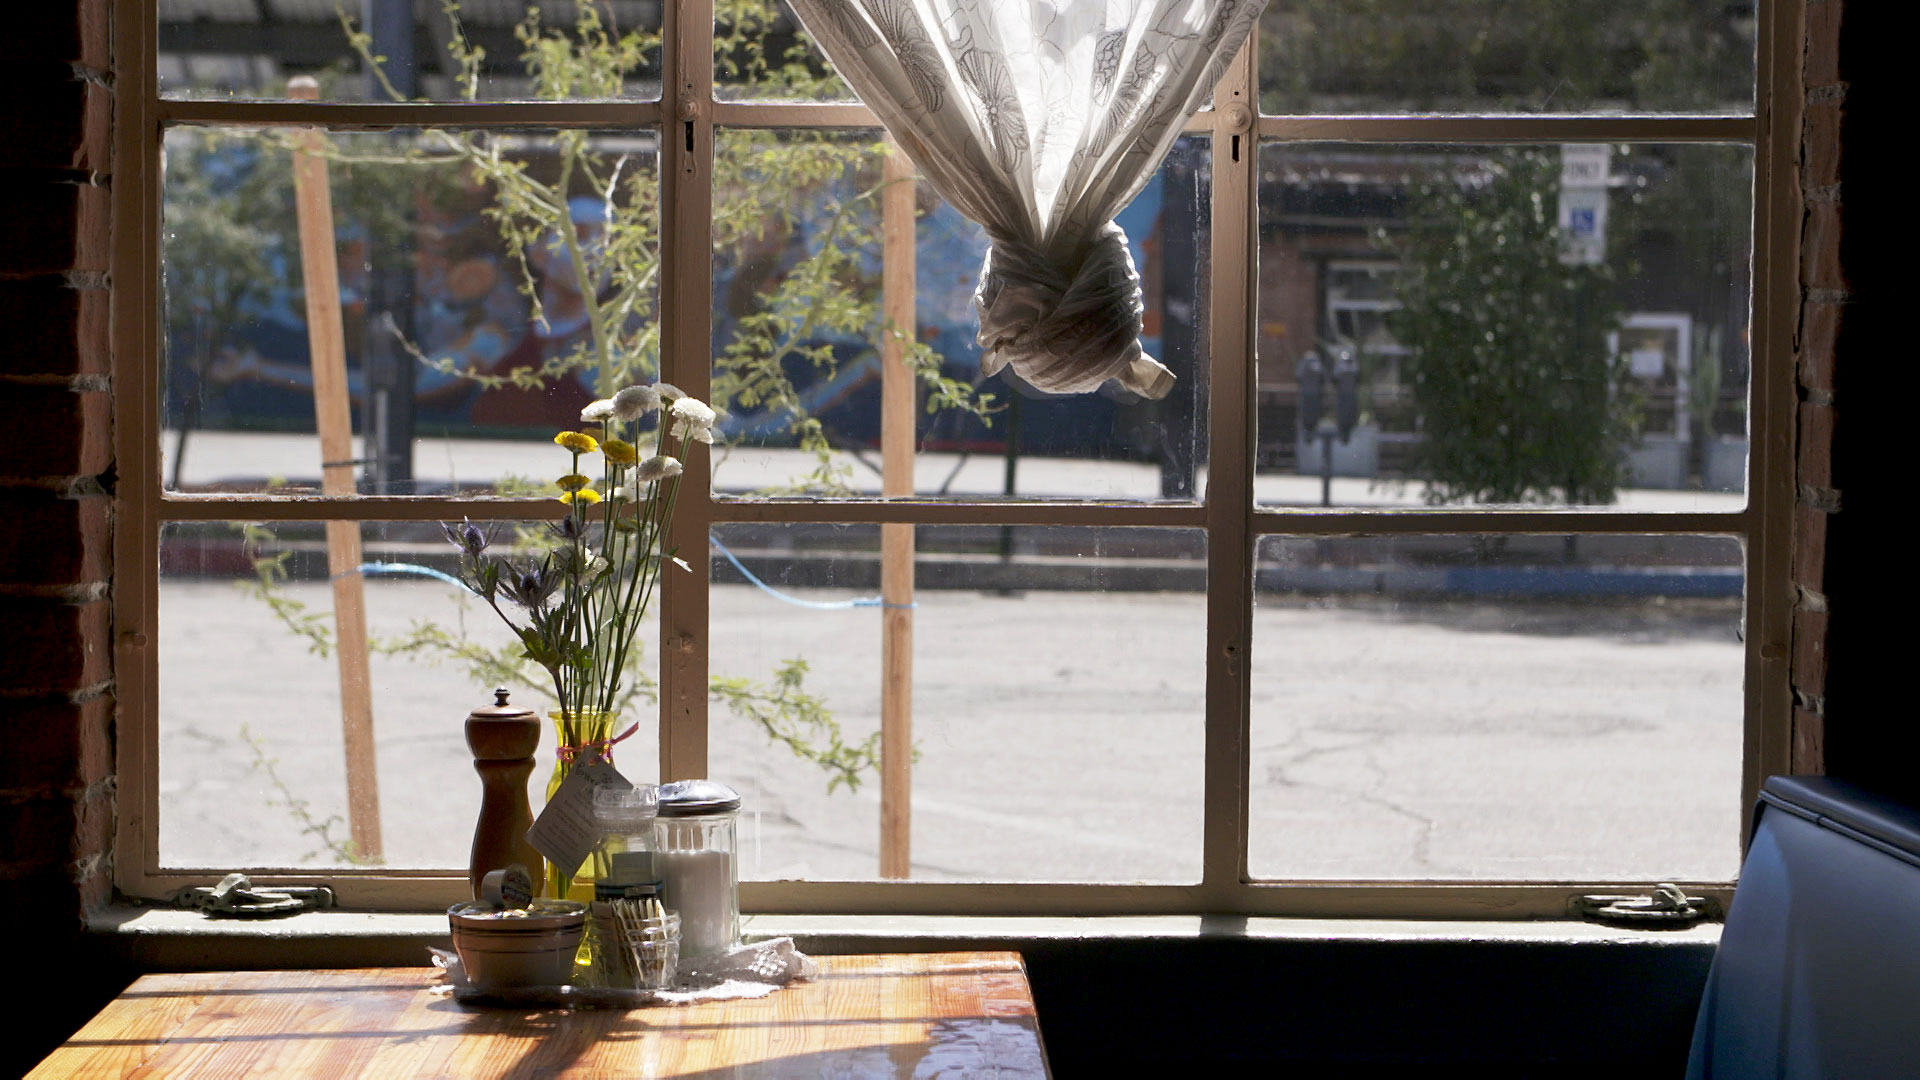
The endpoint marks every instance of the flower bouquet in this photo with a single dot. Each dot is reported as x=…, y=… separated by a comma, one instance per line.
x=577, y=605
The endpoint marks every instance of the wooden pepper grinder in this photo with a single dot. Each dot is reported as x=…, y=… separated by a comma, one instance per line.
x=503, y=739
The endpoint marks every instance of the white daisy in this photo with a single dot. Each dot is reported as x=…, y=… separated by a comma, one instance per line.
x=658, y=468
x=631, y=403
x=692, y=419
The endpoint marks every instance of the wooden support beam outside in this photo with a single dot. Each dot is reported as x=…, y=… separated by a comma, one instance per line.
x=333, y=416
x=898, y=409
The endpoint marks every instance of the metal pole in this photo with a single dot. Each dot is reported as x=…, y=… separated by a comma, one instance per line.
x=1008, y=485
x=389, y=369
x=1326, y=465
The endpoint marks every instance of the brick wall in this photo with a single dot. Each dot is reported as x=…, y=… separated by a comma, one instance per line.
x=56, y=677
x=1822, y=310
x=1849, y=559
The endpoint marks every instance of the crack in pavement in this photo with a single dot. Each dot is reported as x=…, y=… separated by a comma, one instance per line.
x=1278, y=774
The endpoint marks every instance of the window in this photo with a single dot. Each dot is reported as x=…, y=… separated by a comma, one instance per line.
x=1089, y=655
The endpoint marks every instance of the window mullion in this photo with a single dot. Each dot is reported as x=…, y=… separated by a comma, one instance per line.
x=1469, y=521
x=1230, y=482
x=833, y=114
x=793, y=114
x=1481, y=130
x=136, y=364
x=434, y=508
x=686, y=311
x=387, y=116
x=1770, y=738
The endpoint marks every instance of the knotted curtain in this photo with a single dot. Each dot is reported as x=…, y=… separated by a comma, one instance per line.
x=1041, y=121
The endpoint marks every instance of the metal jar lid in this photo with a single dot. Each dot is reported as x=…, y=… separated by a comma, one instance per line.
x=689, y=798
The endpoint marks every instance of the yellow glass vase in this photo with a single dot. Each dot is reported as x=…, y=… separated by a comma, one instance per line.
x=578, y=730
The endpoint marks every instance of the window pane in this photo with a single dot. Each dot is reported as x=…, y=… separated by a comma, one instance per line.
x=1551, y=56
x=760, y=53
x=1504, y=325
x=1057, y=683
x=797, y=323
x=250, y=48
x=252, y=765
x=461, y=252
x=1511, y=708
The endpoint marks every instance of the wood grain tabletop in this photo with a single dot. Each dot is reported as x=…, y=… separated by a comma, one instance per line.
x=934, y=1014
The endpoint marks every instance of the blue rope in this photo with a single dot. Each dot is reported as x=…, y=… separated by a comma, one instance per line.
x=815, y=605
x=405, y=568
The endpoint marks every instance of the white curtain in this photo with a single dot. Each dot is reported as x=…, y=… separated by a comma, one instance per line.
x=1041, y=121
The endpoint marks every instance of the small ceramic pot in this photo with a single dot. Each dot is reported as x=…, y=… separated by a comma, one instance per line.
x=505, y=949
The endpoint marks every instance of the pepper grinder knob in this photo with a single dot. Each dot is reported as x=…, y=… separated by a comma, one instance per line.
x=503, y=738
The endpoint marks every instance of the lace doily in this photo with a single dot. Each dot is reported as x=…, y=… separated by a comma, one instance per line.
x=746, y=971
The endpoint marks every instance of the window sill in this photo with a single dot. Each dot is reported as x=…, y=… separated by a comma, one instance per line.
x=168, y=939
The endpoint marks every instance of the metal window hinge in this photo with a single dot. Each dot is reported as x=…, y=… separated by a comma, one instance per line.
x=1667, y=905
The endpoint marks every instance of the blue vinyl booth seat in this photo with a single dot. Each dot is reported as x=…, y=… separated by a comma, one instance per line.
x=1818, y=970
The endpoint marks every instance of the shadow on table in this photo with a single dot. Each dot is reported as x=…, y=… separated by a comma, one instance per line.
x=1007, y=1048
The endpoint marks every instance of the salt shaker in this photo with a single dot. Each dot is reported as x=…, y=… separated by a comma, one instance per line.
x=694, y=841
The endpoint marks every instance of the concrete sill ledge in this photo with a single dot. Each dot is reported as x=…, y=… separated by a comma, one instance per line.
x=166, y=939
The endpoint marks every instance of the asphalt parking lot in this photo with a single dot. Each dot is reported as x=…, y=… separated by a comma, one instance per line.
x=1060, y=736
x=1060, y=731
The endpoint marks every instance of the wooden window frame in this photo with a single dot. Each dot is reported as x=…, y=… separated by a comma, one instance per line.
x=1228, y=512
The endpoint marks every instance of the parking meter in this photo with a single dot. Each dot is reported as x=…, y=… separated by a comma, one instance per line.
x=1346, y=392
x=1311, y=372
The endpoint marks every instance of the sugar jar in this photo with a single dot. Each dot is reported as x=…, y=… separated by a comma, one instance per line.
x=695, y=855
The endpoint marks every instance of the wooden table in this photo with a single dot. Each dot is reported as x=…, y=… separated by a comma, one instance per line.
x=949, y=1014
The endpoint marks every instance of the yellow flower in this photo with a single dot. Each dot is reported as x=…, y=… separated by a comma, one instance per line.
x=573, y=482
x=619, y=451
x=577, y=441
x=588, y=496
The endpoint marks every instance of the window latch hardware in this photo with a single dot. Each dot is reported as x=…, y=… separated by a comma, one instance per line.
x=1667, y=905
x=235, y=895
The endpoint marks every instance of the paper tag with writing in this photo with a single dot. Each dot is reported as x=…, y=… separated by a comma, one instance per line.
x=565, y=831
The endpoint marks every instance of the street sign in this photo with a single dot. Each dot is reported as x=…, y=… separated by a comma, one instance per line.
x=1584, y=164
x=1583, y=226
x=1583, y=203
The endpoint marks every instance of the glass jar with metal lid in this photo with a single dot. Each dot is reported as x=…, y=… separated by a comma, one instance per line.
x=695, y=853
